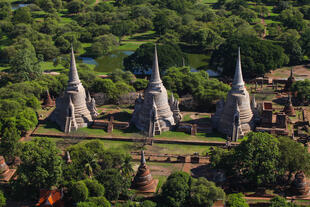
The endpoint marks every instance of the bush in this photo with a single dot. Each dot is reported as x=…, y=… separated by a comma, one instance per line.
x=86, y=204
x=79, y=191
x=148, y=203
x=2, y=199
x=236, y=200
x=100, y=201
x=95, y=189
x=140, y=84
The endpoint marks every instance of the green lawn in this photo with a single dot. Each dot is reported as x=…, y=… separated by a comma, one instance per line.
x=178, y=149
x=187, y=117
x=49, y=127
x=208, y=1
x=185, y=136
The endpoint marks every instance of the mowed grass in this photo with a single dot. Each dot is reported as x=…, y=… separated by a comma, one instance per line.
x=178, y=149
x=198, y=137
x=208, y=1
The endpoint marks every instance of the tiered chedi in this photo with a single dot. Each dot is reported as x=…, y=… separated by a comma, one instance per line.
x=155, y=113
x=290, y=80
x=143, y=181
x=73, y=109
x=235, y=117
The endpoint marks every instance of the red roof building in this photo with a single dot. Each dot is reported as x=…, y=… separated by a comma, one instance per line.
x=51, y=198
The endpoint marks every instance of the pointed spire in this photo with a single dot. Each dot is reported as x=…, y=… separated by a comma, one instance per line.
x=88, y=97
x=237, y=106
x=143, y=162
x=155, y=77
x=289, y=100
x=253, y=103
x=73, y=74
x=172, y=98
x=70, y=101
x=291, y=72
x=238, y=79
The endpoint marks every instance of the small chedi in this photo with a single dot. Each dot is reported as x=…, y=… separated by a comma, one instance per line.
x=143, y=181
x=5, y=172
x=290, y=81
x=155, y=113
x=73, y=109
x=300, y=185
x=288, y=108
x=235, y=117
x=48, y=101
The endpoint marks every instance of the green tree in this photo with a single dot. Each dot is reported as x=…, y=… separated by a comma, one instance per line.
x=182, y=190
x=140, y=84
x=107, y=87
x=2, y=200
x=114, y=183
x=142, y=60
x=5, y=9
x=258, y=56
x=95, y=189
x=79, y=191
x=75, y=6
x=302, y=89
x=41, y=167
x=47, y=49
x=203, y=89
x=175, y=191
x=100, y=201
x=305, y=41
x=9, y=142
x=103, y=45
x=148, y=203
x=122, y=28
x=22, y=15
x=258, y=158
x=294, y=156
x=26, y=65
x=86, y=204
x=278, y=201
x=292, y=18
x=236, y=200
x=203, y=193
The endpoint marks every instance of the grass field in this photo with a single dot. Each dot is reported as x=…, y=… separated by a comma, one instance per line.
x=185, y=136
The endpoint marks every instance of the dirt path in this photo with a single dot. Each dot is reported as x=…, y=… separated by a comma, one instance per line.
x=300, y=71
x=265, y=27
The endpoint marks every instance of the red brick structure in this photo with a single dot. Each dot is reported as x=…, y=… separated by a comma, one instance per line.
x=143, y=181
x=6, y=173
x=51, y=198
x=48, y=101
x=288, y=108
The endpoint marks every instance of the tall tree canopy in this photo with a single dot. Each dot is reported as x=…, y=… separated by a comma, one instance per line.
x=257, y=56
x=142, y=60
x=182, y=190
x=41, y=167
x=205, y=90
x=261, y=158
